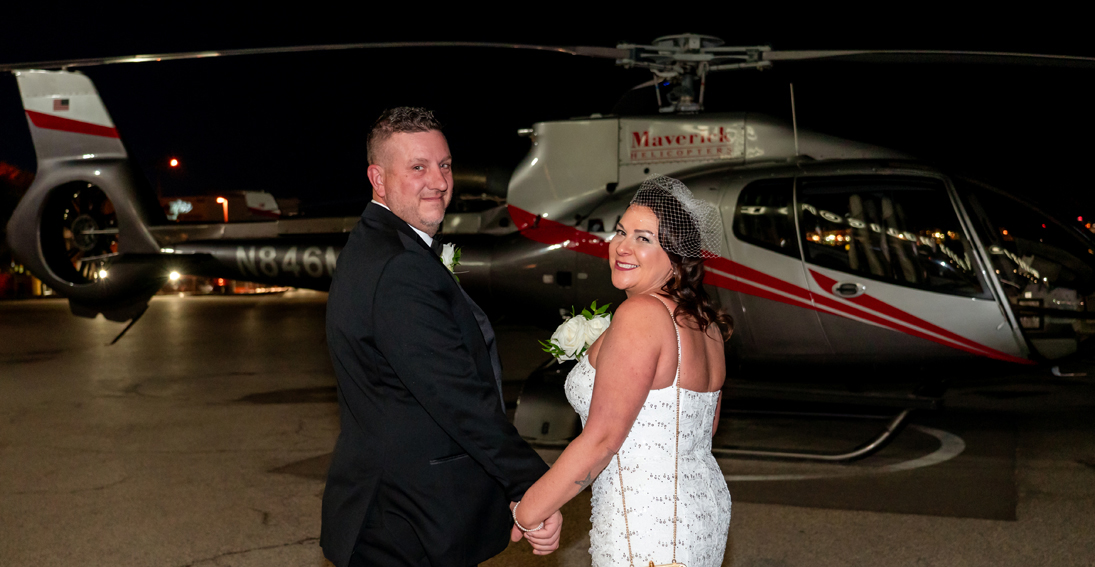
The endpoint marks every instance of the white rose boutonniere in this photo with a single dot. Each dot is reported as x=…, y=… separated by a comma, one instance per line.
x=578, y=332
x=450, y=257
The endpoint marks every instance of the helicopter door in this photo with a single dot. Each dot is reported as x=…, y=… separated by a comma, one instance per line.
x=893, y=273
x=765, y=273
x=1046, y=269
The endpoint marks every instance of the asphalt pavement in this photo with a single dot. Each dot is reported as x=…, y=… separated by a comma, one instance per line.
x=202, y=438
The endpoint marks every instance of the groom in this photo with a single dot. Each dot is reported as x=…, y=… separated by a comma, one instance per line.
x=426, y=465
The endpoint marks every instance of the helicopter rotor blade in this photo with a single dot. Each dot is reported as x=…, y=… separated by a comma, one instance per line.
x=583, y=51
x=649, y=83
x=931, y=56
x=601, y=52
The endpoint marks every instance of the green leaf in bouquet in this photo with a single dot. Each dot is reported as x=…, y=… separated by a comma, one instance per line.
x=552, y=348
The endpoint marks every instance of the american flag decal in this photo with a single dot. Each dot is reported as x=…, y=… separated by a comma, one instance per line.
x=60, y=104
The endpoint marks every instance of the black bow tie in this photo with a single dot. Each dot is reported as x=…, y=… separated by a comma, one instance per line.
x=436, y=246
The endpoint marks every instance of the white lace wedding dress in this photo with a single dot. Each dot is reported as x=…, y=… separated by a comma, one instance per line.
x=647, y=456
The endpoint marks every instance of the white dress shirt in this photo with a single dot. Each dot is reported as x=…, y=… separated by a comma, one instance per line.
x=427, y=238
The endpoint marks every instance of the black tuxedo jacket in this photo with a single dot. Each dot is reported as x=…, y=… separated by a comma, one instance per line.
x=424, y=437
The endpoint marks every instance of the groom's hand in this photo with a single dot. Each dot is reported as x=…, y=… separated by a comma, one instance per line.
x=546, y=540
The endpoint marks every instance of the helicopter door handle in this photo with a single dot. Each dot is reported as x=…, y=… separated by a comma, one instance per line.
x=849, y=289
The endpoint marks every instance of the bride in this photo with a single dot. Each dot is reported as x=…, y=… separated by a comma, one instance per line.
x=648, y=393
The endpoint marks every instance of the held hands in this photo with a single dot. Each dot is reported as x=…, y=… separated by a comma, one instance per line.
x=543, y=541
x=547, y=540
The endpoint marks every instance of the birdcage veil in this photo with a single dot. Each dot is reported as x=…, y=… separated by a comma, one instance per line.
x=687, y=226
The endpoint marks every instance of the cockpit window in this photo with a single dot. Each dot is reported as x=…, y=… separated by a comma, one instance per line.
x=763, y=216
x=1046, y=269
x=900, y=230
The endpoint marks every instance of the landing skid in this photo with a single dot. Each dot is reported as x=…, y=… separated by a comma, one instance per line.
x=545, y=419
x=863, y=450
x=903, y=404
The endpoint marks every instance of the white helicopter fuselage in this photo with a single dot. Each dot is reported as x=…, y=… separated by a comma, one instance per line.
x=898, y=270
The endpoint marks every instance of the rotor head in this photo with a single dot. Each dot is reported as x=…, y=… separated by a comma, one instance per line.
x=683, y=61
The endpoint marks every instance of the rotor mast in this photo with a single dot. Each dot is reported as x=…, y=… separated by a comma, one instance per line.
x=683, y=61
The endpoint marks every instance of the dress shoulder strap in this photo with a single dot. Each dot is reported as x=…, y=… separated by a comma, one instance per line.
x=676, y=458
x=677, y=330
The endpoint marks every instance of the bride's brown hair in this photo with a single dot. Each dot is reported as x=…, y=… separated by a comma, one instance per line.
x=685, y=286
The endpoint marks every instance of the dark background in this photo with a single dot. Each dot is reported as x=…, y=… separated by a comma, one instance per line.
x=294, y=125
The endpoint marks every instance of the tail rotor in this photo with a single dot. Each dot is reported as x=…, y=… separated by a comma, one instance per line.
x=79, y=233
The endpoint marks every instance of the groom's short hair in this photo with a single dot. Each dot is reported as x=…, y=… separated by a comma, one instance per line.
x=402, y=119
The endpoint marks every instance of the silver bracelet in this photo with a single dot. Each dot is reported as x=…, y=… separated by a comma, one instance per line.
x=518, y=524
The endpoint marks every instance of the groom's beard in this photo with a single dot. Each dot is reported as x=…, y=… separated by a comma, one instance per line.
x=427, y=221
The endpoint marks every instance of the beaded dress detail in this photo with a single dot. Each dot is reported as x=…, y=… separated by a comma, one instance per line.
x=647, y=458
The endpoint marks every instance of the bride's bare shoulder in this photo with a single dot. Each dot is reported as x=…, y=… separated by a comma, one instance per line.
x=640, y=309
x=640, y=305
x=639, y=328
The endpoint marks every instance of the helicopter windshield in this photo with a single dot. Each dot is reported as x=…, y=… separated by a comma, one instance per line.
x=1046, y=269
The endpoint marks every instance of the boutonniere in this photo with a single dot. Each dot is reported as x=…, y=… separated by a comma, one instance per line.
x=450, y=257
x=578, y=332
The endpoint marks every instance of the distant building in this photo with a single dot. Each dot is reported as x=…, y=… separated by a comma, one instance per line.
x=15, y=281
x=196, y=285
x=237, y=206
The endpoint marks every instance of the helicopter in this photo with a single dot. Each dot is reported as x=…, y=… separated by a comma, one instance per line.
x=838, y=254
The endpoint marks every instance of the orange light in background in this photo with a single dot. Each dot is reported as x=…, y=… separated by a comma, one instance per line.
x=220, y=282
x=1005, y=233
x=224, y=205
x=173, y=163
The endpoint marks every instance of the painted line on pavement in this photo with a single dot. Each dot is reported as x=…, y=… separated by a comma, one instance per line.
x=950, y=446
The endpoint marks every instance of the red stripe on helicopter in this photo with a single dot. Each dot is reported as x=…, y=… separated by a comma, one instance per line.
x=743, y=271
x=830, y=306
x=874, y=304
x=753, y=282
x=949, y=339
x=540, y=229
x=51, y=122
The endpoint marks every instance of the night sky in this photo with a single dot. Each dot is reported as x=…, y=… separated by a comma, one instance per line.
x=294, y=125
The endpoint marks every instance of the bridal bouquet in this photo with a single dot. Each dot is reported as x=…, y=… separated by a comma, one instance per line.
x=577, y=333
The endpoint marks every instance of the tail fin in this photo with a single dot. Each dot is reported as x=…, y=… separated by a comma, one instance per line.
x=67, y=118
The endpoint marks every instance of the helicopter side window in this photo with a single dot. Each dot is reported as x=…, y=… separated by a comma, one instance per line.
x=900, y=230
x=763, y=216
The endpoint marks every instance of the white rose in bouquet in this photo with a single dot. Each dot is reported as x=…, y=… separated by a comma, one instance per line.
x=595, y=327
x=578, y=332
x=571, y=337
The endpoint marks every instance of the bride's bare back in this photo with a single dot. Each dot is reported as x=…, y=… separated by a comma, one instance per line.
x=703, y=363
